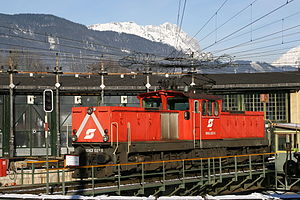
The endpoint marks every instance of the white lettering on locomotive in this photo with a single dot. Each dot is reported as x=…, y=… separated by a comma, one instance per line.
x=96, y=150
x=90, y=133
x=210, y=133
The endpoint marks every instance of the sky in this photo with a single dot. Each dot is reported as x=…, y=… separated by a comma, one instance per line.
x=196, y=15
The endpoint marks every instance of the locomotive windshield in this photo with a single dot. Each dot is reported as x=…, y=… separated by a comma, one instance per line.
x=178, y=103
x=152, y=103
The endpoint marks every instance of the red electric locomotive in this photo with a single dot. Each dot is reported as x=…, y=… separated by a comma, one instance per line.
x=167, y=125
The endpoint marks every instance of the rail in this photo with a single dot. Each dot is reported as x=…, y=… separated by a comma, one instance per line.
x=161, y=174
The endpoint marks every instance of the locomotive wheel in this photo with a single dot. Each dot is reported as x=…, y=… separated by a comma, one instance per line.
x=290, y=168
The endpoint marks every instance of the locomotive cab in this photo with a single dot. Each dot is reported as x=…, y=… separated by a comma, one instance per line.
x=171, y=100
x=197, y=115
x=164, y=100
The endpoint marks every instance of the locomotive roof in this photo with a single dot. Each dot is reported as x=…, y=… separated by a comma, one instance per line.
x=190, y=95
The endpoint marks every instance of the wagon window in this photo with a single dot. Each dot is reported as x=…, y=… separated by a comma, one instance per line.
x=178, y=103
x=152, y=103
x=209, y=108
x=216, y=108
x=204, y=108
x=196, y=106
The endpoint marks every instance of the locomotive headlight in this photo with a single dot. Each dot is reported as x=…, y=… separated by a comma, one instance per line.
x=74, y=132
x=105, y=138
x=74, y=138
x=90, y=111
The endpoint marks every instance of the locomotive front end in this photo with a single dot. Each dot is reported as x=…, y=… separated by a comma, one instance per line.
x=91, y=137
x=90, y=124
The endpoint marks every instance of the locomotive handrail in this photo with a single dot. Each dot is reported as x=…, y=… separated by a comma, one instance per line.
x=164, y=161
x=128, y=137
x=194, y=127
x=112, y=135
x=200, y=140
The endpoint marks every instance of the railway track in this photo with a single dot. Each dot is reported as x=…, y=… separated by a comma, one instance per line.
x=134, y=184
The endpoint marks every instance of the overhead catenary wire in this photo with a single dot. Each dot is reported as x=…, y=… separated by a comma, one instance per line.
x=260, y=52
x=231, y=18
x=278, y=37
x=112, y=48
x=32, y=47
x=285, y=64
x=177, y=21
x=247, y=25
x=265, y=47
x=207, y=22
x=182, y=16
x=62, y=45
x=71, y=54
x=61, y=55
x=116, y=54
x=60, y=37
x=262, y=55
x=265, y=52
x=261, y=39
x=178, y=25
x=261, y=27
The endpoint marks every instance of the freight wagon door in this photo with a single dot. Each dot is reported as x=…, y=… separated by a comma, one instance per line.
x=169, y=126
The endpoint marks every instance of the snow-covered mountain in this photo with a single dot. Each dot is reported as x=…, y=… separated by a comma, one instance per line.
x=166, y=33
x=290, y=58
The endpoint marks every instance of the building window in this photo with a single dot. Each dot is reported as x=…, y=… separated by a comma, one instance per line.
x=230, y=102
x=252, y=102
x=275, y=107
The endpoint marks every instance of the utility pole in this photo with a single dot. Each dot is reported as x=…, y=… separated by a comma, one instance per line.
x=298, y=64
x=102, y=86
x=11, y=70
x=57, y=71
x=48, y=108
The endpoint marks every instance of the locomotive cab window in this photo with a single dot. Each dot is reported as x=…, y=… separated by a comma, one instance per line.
x=178, y=103
x=204, y=108
x=216, y=108
x=152, y=103
x=196, y=106
x=209, y=108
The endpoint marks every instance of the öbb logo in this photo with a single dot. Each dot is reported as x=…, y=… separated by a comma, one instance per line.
x=90, y=133
x=210, y=123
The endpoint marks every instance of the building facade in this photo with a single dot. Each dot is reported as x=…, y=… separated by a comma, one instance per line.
x=276, y=94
